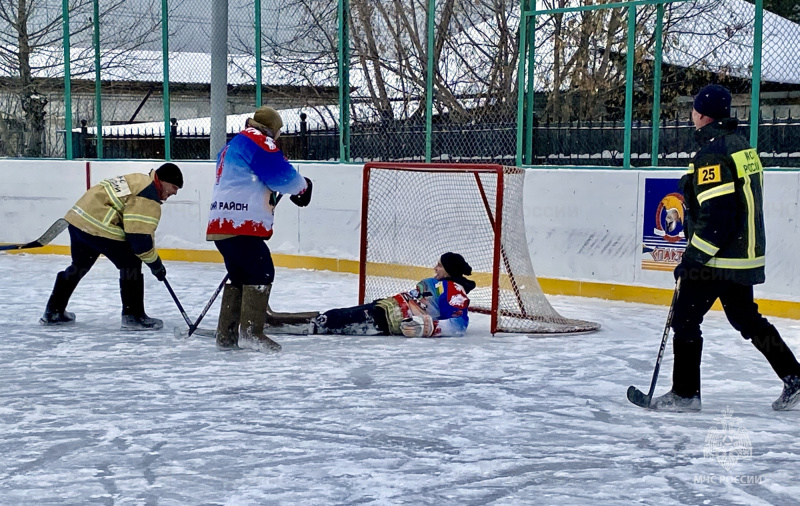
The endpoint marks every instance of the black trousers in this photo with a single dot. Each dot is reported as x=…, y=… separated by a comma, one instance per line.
x=247, y=259
x=696, y=297
x=366, y=319
x=694, y=301
x=85, y=249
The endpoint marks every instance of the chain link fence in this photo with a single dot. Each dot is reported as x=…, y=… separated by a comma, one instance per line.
x=550, y=82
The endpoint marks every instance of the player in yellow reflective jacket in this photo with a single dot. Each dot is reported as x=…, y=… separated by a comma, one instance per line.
x=117, y=218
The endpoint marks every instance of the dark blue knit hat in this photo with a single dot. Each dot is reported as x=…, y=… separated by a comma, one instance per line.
x=713, y=101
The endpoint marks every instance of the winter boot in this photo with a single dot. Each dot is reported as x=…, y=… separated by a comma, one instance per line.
x=133, y=315
x=55, y=313
x=228, y=324
x=51, y=317
x=685, y=392
x=140, y=322
x=253, y=317
x=790, y=395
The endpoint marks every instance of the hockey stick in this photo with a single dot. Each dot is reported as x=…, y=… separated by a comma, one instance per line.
x=635, y=395
x=178, y=303
x=193, y=327
x=51, y=233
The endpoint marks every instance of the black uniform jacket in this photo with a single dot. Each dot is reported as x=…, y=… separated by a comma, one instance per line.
x=723, y=189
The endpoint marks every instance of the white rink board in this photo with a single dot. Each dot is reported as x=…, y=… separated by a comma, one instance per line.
x=583, y=225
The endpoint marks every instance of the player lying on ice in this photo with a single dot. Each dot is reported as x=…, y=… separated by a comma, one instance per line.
x=437, y=307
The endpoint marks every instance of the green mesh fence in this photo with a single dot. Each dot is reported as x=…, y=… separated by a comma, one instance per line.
x=566, y=83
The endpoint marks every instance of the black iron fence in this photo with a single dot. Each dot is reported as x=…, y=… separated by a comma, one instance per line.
x=598, y=143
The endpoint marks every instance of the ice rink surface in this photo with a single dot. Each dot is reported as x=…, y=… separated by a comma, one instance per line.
x=93, y=415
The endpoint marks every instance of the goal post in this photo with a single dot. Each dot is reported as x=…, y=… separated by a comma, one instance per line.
x=411, y=213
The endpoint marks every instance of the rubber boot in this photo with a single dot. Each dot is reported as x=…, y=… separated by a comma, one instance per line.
x=55, y=313
x=783, y=362
x=253, y=317
x=228, y=324
x=133, y=315
x=685, y=392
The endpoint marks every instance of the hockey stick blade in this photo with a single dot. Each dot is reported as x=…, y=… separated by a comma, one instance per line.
x=51, y=233
x=182, y=333
x=638, y=397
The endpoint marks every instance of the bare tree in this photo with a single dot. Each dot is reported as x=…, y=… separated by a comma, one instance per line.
x=31, y=42
x=581, y=56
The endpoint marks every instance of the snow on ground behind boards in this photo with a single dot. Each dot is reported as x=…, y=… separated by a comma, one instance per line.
x=90, y=414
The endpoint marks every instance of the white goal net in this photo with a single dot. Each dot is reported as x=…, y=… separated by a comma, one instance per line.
x=412, y=213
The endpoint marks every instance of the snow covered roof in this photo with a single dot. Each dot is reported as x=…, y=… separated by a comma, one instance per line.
x=187, y=68
x=720, y=40
x=318, y=118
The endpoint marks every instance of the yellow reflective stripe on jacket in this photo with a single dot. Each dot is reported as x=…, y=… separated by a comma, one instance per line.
x=703, y=245
x=749, y=164
x=112, y=196
x=149, y=257
x=141, y=218
x=737, y=263
x=115, y=231
x=717, y=191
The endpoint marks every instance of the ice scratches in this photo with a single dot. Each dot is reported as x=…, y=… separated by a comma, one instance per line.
x=364, y=440
x=361, y=376
x=515, y=479
x=601, y=415
x=147, y=462
x=106, y=477
x=55, y=452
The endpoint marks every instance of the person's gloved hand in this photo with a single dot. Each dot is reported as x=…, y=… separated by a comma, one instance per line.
x=303, y=199
x=418, y=326
x=158, y=269
x=687, y=269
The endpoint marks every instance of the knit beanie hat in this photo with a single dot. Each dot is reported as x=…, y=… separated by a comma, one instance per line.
x=170, y=173
x=713, y=101
x=268, y=118
x=455, y=265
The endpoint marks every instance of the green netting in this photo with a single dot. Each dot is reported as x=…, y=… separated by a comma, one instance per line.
x=544, y=83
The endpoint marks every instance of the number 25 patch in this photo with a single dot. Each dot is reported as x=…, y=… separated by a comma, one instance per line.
x=709, y=174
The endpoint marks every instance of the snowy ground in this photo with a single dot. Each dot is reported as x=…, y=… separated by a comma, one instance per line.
x=92, y=415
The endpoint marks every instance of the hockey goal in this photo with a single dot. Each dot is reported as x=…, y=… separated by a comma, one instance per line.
x=411, y=213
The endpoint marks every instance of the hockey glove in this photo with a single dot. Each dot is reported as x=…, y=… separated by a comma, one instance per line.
x=158, y=269
x=304, y=198
x=418, y=326
x=688, y=269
